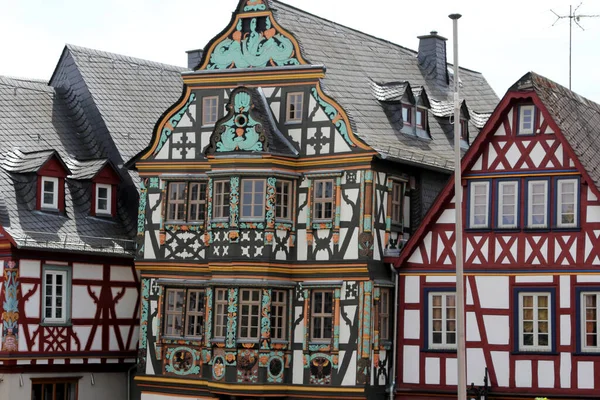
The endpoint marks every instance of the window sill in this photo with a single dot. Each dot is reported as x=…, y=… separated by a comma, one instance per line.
x=49, y=210
x=536, y=229
x=583, y=353
x=217, y=340
x=322, y=224
x=279, y=341
x=567, y=229
x=247, y=341
x=174, y=339
x=478, y=230
x=535, y=353
x=53, y=324
x=453, y=351
x=507, y=230
x=293, y=122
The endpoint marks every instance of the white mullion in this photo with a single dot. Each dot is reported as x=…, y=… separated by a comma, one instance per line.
x=53, y=299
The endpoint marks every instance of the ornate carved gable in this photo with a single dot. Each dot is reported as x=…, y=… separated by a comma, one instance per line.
x=240, y=129
x=252, y=40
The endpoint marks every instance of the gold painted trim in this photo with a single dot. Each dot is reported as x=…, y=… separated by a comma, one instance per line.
x=252, y=76
x=574, y=273
x=249, y=388
x=533, y=174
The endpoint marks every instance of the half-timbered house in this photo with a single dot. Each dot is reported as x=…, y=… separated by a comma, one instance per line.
x=531, y=227
x=299, y=154
x=69, y=292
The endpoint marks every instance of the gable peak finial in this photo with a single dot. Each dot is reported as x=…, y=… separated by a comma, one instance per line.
x=252, y=6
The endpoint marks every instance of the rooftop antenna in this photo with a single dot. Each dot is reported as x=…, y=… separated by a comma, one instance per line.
x=573, y=16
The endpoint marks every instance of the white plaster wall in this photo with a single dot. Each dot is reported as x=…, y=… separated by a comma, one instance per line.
x=83, y=305
x=523, y=373
x=585, y=374
x=32, y=306
x=565, y=370
x=447, y=217
x=545, y=374
x=451, y=374
x=87, y=271
x=501, y=360
x=108, y=386
x=412, y=324
x=29, y=268
x=298, y=368
x=497, y=328
x=410, y=364
x=349, y=378
x=493, y=291
x=412, y=287
x=565, y=291
x=432, y=371
x=475, y=366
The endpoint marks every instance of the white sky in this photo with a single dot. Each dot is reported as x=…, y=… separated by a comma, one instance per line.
x=502, y=39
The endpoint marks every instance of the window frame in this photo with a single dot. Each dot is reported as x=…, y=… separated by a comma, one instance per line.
x=582, y=320
x=251, y=304
x=518, y=326
x=323, y=200
x=212, y=108
x=201, y=204
x=179, y=202
x=521, y=131
x=298, y=98
x=500, y=204
x=384, y=314
x=279, y=304
x=167, y=312
x=397, y=204
x=444, y=292
x=56, y=381
x=322, y=316
x=253, y=193
x=219, y=197
x=65, y=273
x=423, y=113
x=200, y=312
x=108, y=188
x=464, y=130
x=471, y=204
x=576, y=202
x=529, y=204
x=279, y=205
x=408, y=109
x=55, y=193
x=220, y=327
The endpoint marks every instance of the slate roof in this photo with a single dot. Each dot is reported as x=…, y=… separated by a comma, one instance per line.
x=35, y=122
x=355, y=59
x=85, y=169
x=577, y=117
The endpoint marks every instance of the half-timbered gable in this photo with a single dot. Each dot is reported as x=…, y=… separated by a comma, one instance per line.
x=271, y=193
x=530, y=207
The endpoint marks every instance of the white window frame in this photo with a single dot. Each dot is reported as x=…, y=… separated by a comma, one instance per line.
x=178, y=202
x=221, y=199
x=171, y=310
x=210, y=110
x=249, y=308
x=323, y=200
x=559, y=203
x=278, y=314
x=194, y=312
x=221, y=296
x=253, y=192
x=199, y=203
x=472, y=195
x=530, y=204
x=522, y=130
x=444, y=319
x=66, y=295
x=108, y=188
x=423, y=113
x=584, y=322
x=283, y=201
x=515, y=206
x=297, y=100
x=536, y=321
x=322, y=316
x=407, y=114
x=55, y=193
x=397, y=195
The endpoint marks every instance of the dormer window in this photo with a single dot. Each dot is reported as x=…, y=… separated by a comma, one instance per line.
x=526, y=120
x=407, y=114
x=421, y=118
x=49, y=197
x=294, y=107
x=103, y=199
x=464, y=130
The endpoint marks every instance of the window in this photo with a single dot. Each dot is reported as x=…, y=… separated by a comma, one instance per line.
x=323, y=199
x=210, y=112
x=322, y=315
x=590, y=335
x=57, y=287
x=508, y=203
x=175, y=299
x=176, y=205
x=283, y=200
x=197, y=202
x=103, y=198
x=220, y=313
x=407, y=114
x=194, y=313
x=537, y=204
x=49, y=193
x=566, y=206
x=384, y=314
x=278, y=310
x=464, y=130
x=534, y=322
x=54, y=389
x=442, y=320
x=526, y=120
x=294, y=106
x=221, y=199
x=249, y=309
x=421, y=118
x=479, y=212
x=397, y=196
x=253, y=198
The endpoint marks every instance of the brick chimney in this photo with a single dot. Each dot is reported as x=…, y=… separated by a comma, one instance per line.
x=194, y=57
x=432, y=57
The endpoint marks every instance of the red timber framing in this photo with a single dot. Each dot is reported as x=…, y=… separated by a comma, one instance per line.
x=502, y=265
x=103, y=316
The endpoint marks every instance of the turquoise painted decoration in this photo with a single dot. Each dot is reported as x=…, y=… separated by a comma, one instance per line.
x=172, y=124
x=239, y=131
x=255, y=5
x=10, y=316
x=253, y=48
x=182, y=361
x=334, y=116
x=265, y=322
x=232, y=308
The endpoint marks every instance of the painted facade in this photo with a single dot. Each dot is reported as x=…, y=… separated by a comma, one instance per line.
x=531, y=213
x=263, y=225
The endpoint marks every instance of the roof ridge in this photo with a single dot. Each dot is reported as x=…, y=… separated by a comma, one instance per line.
x=389, y=42
x=25, y=84
x=122, y=57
